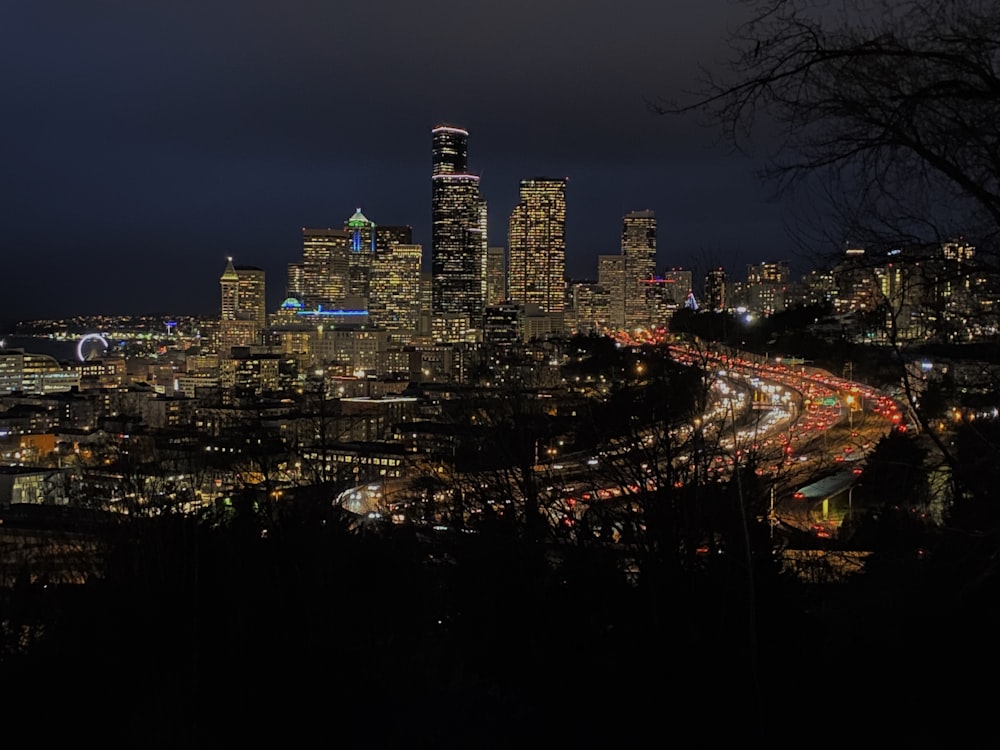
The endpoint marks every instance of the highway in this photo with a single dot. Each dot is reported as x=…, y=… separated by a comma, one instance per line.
x=795, y=425
x=831, y=426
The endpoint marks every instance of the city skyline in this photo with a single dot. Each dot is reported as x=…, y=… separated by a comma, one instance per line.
x=152, y=144
x=407, y=350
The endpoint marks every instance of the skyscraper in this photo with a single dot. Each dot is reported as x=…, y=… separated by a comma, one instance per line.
x=537, y=245
x=395, y=291
x=766, y=286
x=611, y=276
x=243, y=317
x=361, y=232
x=325, y=266
x=715, y=290
x=458, y=229
x=386, y=236
x=639, y=252
x=496, y=275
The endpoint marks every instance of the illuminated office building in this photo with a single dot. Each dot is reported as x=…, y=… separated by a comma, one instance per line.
x=639, y=253
x=589, y=307
x=766, y=286
x=611, y=276
x=34, y=373
x=361, y=234
x=325, y=267
x=458, y=229
x=395, y=291
x=337, y=264
x=715, y=290
x=294, y=282
x=387, y=236
x=496, y=275
x=537, y=245
x=243, y=317
x=671, y=289
x=368, y=241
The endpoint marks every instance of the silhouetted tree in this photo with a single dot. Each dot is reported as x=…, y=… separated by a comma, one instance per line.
x=892, y=102
x=887, y=110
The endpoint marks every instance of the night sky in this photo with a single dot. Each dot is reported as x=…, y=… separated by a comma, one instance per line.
x=143, y=142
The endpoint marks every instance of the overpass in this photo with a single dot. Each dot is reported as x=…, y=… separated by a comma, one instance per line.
x=825, y=499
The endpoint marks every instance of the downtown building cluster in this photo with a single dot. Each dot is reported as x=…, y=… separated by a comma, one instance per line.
x=359, y=304
x=359, y=301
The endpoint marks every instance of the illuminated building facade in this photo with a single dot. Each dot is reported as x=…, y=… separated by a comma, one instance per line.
x=958, y=250
x=639, y=253
x=715, y=290
x=34, y=373
x=243, y=318
x=766, y=286
x=349, y=349
x=337, y=265
x=496, y=275
x=458, y=229
x=589, y=308
x=666, y=294
x=251, y=372
x=675, y=285
x=387, y=236
x=293, y=282
x=361, y=233
x=395, y=291
x=611, y=276
x=325, y=269
x=537, y=245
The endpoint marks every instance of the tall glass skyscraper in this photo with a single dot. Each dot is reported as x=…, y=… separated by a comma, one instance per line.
x=537, y=242
x=458, y=229
x=639, y=252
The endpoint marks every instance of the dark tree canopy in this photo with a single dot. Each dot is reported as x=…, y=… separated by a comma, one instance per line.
x=888, y=107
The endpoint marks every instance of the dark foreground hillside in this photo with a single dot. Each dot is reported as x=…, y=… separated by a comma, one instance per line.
x=316, y=633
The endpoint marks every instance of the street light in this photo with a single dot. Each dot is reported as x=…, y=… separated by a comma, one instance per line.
x=850, y=410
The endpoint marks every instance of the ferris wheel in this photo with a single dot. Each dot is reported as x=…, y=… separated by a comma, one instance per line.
x=91, y=346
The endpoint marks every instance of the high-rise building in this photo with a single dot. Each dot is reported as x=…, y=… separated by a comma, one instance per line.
x=537, y=245
x=611, y=276
x=337, y=264
x=667, y=293
x=395, y=291
x=325, y=267
x=243, y=318
x=774, y=272
x=361, y=233
x=588, y=308
x=387, y=236
x=458, y=229
x=766, y=286
x=639, y=252
x=293, y=281
x=715, y=290
x=496, y=275
x=671, y=288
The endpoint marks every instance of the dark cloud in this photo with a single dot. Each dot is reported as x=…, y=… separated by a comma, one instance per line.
x=144, y=142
